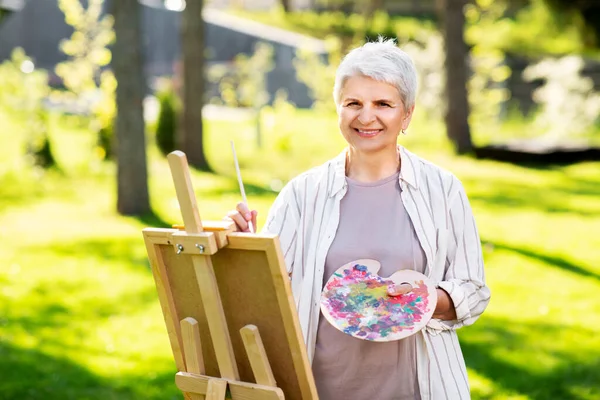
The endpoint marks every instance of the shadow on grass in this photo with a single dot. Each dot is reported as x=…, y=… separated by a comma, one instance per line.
x=551, y=260
x=532, y=153
x=512, y=356
x=256, y=190
x=31, y=374
x=46, y=307
x=550, y=199
x=153, y=220
x=232, y=188
x=127, y=251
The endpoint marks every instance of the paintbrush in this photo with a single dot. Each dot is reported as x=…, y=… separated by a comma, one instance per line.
x=239, y=176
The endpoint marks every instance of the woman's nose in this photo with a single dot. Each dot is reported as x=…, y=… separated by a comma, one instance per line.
x=366, y=116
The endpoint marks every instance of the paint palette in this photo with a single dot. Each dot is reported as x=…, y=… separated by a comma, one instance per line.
x=355, y=301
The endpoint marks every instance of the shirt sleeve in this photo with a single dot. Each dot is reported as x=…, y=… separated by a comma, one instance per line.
x=464, y=279
x=283, y=220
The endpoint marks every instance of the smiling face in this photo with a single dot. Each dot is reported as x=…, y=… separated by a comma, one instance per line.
x=371, y=114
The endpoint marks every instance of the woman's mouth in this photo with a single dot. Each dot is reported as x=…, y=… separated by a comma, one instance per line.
x=367, y=133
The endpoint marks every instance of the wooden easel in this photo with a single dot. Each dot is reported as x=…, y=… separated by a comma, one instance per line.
x=228, y=307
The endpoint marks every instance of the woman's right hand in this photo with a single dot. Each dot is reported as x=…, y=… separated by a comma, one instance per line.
x=241, y=216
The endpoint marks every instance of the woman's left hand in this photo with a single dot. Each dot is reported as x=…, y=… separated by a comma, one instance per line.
x=444, y=309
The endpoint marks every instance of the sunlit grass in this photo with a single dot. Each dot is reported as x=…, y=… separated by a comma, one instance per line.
x=79, y=315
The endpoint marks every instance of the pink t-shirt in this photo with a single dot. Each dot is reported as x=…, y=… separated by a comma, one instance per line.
x=373, y=224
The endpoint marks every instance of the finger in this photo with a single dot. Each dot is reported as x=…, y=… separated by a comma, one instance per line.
x=239, y=220
x=244, y=211
x=398, y=290
x=229, y=219
x=254, y=215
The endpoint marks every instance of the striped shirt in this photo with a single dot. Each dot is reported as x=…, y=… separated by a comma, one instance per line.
x=306, y=214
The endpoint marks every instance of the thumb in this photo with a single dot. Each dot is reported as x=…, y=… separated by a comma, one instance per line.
x=397, y=290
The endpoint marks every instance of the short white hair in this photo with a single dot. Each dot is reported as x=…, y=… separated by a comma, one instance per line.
x=383, y=61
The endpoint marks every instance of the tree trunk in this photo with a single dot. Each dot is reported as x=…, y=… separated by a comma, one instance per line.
x=285, y=4
x=457, y=114
x=192, y=89
x=127, y=64
x=371, y=7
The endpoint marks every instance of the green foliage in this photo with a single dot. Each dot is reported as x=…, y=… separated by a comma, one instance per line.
x=166, y=128
x=89, y=87
x=243, y=83
x=319, y=74
x=39, y=148
x=487, y=93
x=535, y=29
x=429, y=58
x=22, y=92
x=23, y=87
x=276, y=123
x=105, y=140
x=542, y=30
x=349, y=28
x=88, y=46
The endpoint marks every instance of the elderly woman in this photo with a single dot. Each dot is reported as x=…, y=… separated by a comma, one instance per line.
x=377, y=200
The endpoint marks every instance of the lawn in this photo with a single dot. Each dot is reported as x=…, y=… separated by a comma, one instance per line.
x=79, y=315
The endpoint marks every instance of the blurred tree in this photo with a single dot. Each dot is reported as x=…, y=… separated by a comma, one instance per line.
x=243, y=83
x=590, y=12
x=584, y=14
x=568, y=104
x=429, y=58
x=192, y=88
x=132, y=177
x=90, y=89
x=23, y=90
x=363, y=7
x=285, y=4
x=166, y=126
x=372, y=6
x=489, y=72
x=318, y=74
x=452, y=20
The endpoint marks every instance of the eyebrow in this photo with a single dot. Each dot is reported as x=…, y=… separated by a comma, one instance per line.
x=376, y=101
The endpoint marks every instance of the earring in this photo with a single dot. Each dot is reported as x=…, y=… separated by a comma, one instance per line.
x=403, y=132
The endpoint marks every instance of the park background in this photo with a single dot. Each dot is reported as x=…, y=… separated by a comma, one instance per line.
x=518, y=123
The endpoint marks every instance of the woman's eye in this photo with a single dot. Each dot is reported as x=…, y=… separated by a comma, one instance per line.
x=384, y=105
x=352, y=103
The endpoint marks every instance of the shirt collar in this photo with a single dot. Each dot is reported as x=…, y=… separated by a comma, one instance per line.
x=410, y=167
x=409, y=170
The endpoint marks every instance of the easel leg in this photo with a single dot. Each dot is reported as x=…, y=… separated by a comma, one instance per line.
x=217, y=389
x=192, y=351
x=257, y=356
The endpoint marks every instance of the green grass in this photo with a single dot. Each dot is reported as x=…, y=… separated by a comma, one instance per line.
x=79, y=315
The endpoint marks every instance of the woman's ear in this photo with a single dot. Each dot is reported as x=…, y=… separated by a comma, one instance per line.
x=407, y=117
